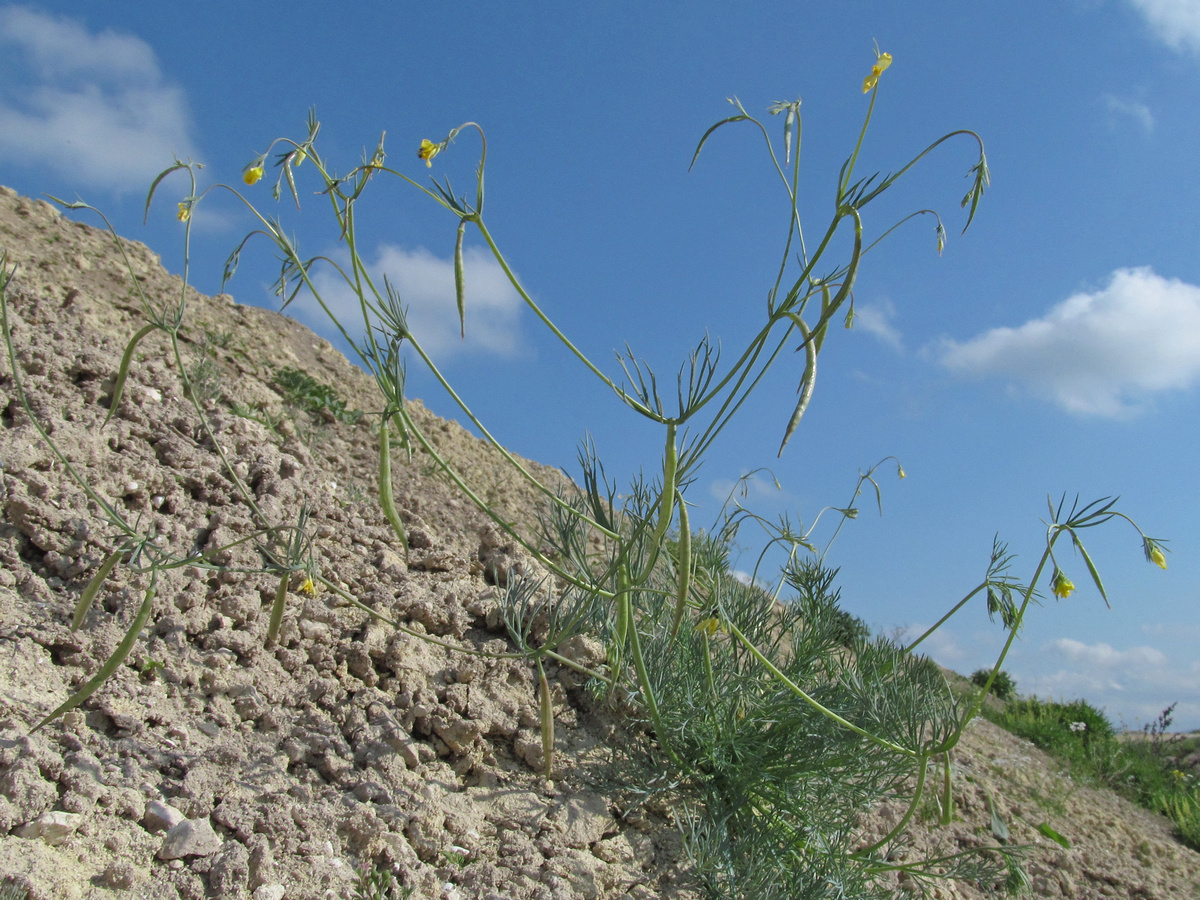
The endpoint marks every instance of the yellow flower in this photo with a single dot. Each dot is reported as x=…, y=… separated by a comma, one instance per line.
x=1154, y=553
x=428, y=151
x=309, y=587
x=900, y=471
x=298, y=157
x=1062, y=585
x=882, y=61
x=185, y=213
x=710, y=626
x=252, y=174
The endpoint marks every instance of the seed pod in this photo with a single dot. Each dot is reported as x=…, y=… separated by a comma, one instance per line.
x=123, y=370
x=277, y=607
x=386, y=500
x=111, y=664
x=683, y=567
x=547, y=719
x=667, y=504
x=93, y=588
x=459, y=285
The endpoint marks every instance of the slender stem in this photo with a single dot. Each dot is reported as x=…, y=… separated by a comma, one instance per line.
x=918, y=792
x=486, y=509
x=508, y=456
x=977, y=703
x=799, y=692
x=858, y=146
x=515, y=282
x=942, y=621
x=424, y=636
x=947, y=795
x=648, y=695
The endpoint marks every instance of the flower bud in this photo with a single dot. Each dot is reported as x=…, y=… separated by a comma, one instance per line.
x=1062, y=585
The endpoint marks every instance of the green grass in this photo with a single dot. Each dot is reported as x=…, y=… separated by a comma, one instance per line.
x=1142, y=770
x=301, y=389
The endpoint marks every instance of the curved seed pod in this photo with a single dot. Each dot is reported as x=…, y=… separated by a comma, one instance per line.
x=386, y=500
x=277, y=607
x=111, y=664
x=547, y=719
x=123, y=370
x=459, y=285
x=684, y=569
x=616, y=649
x=667, y=504
x=807, y=384
x=93, y=588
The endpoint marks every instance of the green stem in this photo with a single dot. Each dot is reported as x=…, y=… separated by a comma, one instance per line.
x=483, y=506
x=799, y=692
x=940, y=622
x=537, y=311
x=648, y=695
x=508, y=456
x=922, y=769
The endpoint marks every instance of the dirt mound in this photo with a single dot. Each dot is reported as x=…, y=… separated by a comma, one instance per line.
x=213, y=766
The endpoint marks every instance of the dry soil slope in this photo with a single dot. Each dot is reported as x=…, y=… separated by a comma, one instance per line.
x=347, y=742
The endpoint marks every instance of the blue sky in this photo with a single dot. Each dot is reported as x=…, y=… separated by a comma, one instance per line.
x=1054, y=348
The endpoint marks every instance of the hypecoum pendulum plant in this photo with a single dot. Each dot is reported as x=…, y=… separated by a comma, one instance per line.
x=773, y=725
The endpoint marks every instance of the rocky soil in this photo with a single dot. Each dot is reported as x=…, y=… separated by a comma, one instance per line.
x=212, y=765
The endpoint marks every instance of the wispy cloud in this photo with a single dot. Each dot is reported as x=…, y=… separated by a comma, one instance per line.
x=1176, y=22
x=1101, y=354
x=1133, y=685
x=93, y=106
x=1129, y=109
x=1106, y=657
x=425, y=283
x=1174, y=630
x=760, y=485
x=876, y=318
x=942, y=646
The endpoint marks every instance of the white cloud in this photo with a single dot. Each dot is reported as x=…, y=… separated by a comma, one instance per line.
x=941, y=646
x=876, y=319
x=1139, y=112
x=1105, y=656
x=1132, y=685
x=1177, y=22
x=1174, y=630
x=1101, y=353
x=94, y=107
x=425, y=284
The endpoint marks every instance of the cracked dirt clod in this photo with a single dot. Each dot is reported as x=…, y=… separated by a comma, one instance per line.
x=344, y=741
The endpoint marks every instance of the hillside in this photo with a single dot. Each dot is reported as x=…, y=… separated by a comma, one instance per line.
x=347, y=742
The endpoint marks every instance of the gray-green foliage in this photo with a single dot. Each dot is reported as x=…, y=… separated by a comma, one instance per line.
x=301, y=389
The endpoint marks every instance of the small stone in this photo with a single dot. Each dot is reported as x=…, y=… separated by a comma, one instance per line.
x=52, y=827
x=160, y=816
x=191, y=837
x=269, y=892
x=583, y=820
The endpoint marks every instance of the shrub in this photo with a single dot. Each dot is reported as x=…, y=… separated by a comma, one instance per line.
x=1003, y=687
